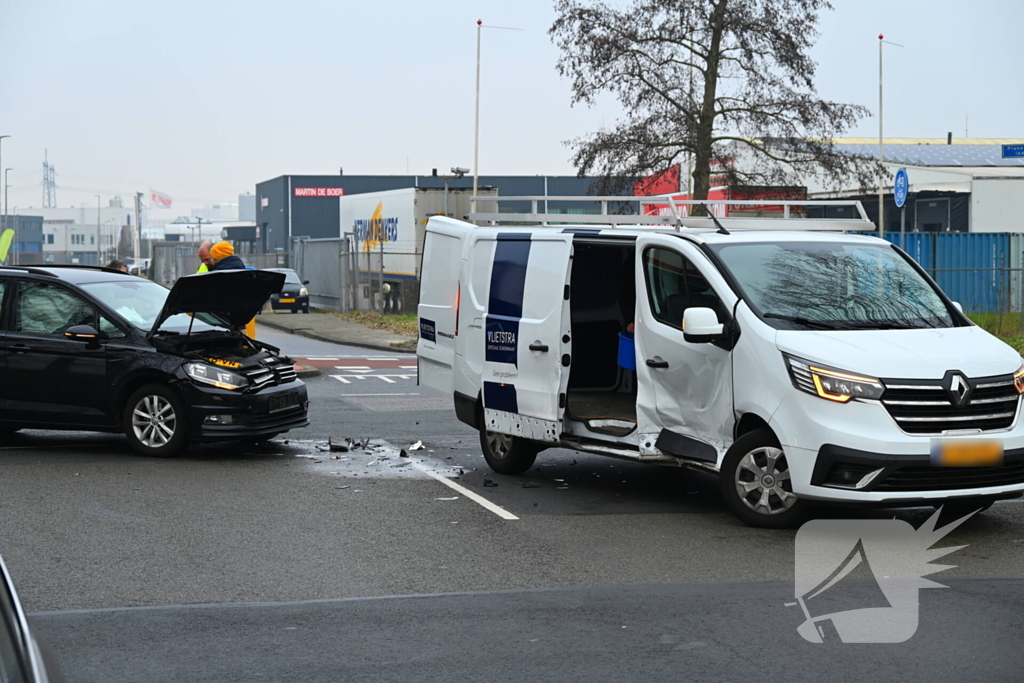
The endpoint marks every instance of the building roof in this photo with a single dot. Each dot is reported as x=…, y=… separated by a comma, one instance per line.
x=934, y=151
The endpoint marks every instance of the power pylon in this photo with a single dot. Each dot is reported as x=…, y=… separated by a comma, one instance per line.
x=49, y=183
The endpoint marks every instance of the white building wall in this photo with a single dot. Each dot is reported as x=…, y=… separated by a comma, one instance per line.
x=995, y=205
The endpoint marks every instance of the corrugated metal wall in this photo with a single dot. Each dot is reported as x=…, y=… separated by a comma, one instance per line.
x=981, y=271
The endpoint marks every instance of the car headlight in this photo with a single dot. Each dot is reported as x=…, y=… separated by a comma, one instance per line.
x=303, y=292
x=831, y=383
x=214, y=376
x=1018, y=379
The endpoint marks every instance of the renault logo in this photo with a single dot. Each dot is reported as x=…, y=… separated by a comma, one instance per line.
x=958, y=388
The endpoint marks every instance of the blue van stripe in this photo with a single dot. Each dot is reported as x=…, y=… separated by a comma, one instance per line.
x=513, y=237
x=508, y=277
x=582, y=231
x=500, y=397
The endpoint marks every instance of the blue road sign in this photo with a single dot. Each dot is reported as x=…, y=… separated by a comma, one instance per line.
x=900, y=187
x=1013, y=151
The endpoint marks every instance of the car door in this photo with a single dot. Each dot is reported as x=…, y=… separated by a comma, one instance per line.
x=49, y=378
x=527, y=343
x=685, y=401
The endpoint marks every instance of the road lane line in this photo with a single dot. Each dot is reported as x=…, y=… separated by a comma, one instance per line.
x=393, y=394
x=341, y=378
x=476, y=498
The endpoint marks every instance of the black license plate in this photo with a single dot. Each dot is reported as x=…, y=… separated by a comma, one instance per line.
x=278, y=403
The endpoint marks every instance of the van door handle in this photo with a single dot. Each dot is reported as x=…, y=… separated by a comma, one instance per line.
x=657, y=362
x=537, y=346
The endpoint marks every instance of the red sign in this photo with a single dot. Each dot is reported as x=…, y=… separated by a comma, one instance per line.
x=319, y=191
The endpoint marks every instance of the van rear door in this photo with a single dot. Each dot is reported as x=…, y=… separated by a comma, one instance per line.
x=440, y=292
x=526, y=333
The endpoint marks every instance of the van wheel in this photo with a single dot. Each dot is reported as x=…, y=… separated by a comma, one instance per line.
x=154, y=421
x=507, y=454
x=756, y=485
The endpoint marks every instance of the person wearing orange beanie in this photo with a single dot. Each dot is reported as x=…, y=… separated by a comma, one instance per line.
x=223, y=255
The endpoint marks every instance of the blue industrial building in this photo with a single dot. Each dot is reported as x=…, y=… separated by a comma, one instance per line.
x=27, y=247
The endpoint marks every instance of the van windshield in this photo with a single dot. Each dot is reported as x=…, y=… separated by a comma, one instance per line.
x=833, y=285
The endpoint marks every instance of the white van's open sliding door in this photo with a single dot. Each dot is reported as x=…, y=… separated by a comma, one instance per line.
x=440, y=290
x=527, y=334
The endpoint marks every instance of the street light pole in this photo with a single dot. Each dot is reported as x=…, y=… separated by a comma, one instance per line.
x=99, y=259
x=881, y=150
x=7, y=205
x=476, y=123
x=1, y=166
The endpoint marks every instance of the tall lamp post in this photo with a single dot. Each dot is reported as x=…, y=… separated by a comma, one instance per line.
x=99, y=259
x=7, y=205
x=881, y=150
x=476, y=123
x=1, y=166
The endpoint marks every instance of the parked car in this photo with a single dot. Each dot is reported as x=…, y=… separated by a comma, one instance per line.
x=100, y=350
x=798, y=366
x=293, y=296
x=25, y=656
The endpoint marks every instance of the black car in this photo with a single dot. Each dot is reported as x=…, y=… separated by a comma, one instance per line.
x=293, y=296
x=99, y=350
x=24, y=655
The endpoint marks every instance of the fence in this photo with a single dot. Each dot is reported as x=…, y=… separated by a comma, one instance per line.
x=344, y=279
x=171, y=260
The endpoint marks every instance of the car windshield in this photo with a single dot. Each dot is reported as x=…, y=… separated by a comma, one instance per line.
x=833, y=285
x=290, y=277
x=140, y=301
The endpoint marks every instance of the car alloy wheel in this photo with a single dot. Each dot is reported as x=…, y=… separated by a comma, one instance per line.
x=154, y=421
x=762, y=481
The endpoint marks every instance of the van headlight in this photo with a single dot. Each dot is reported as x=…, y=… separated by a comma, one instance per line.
x=831, y=383
x=214, y=376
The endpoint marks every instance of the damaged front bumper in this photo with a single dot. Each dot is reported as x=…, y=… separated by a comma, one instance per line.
x=222, y=415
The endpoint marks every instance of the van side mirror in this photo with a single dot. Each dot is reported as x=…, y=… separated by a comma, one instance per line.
x=958, y=307
x=700, y=326
x=84, y=333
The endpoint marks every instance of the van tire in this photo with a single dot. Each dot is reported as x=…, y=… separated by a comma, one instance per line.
x=157, y=399
x=759, y=452
x=508, y=454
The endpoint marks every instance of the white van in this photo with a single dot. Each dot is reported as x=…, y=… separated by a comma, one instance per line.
x=797, y=361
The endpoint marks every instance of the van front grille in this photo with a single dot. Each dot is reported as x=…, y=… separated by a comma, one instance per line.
x=928, y=407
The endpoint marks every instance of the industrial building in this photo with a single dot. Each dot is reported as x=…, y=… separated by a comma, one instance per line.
x=27, y=247
x=307, y=205
x=964, y=185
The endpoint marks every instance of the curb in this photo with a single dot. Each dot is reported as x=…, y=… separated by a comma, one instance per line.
x=306, y=372
x=324, y=338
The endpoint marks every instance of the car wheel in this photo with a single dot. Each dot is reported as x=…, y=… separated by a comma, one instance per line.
x=756, y=485
x=306, y=309
x=507, y=454
x=154, y=421
x=295, y=310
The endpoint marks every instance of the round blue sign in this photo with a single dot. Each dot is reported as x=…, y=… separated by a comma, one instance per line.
x=901, y=187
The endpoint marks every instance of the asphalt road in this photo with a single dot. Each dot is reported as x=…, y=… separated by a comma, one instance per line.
x=291, y=562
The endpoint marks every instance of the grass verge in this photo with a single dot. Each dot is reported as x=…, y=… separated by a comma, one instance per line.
x=405, y=325
x=1006, y=326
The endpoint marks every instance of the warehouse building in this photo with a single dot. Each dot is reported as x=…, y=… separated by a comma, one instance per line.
x=308, y=206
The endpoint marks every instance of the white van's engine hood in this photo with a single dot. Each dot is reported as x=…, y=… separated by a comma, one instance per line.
x=904, y=354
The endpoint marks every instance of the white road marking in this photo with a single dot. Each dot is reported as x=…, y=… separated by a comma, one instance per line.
x=320, y=358
x=340, y=378
x=395, y=394
x=385, y=378
x=408, y=367
x=390, y=379
x=476, y=498
x=353, y=367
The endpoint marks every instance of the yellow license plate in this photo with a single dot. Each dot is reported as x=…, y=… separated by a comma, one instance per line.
x=287, y=301
x=967, y=453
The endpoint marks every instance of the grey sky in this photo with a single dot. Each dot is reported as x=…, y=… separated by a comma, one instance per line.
x=202, y=100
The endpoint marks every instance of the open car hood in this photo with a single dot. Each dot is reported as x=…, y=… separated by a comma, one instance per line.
x=233, y=296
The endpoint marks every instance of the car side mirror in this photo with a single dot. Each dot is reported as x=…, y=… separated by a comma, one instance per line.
x=700, y=326
x=958, y=307
x=305, y=282
x=84, y=333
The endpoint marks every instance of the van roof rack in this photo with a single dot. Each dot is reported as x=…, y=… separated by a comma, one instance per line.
x=669, y=213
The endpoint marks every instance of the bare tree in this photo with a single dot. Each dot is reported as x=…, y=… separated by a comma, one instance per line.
x=715, y=79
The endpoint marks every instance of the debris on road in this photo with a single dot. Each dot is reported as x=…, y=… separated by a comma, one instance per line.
x=338, y=447
x=343, y=487
x=403, y=454
x=452, y=498
x=490, y=483
x=531, y=485
x=416, y=446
